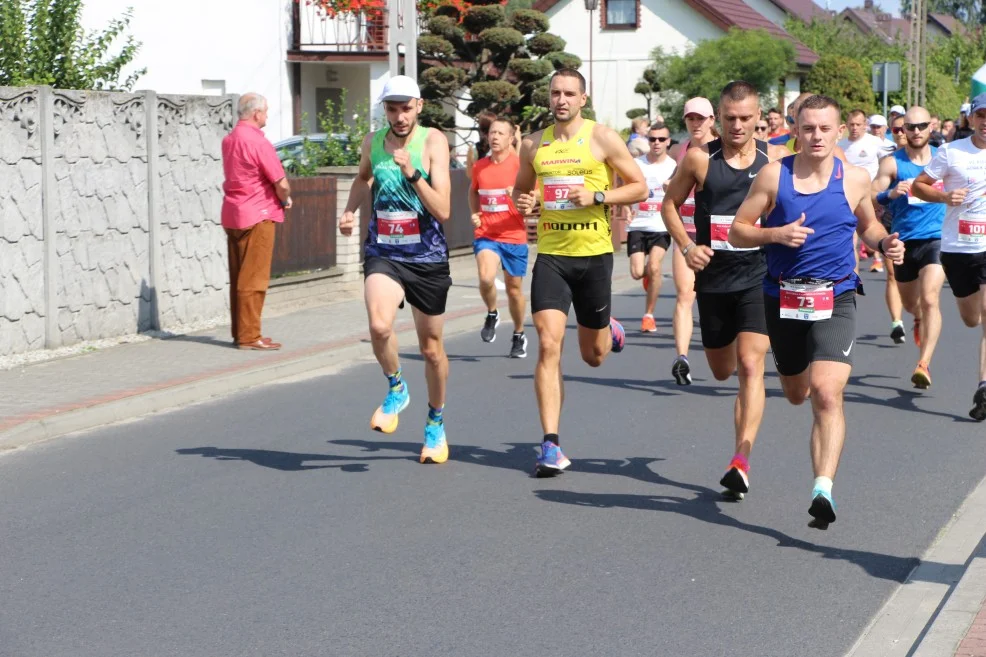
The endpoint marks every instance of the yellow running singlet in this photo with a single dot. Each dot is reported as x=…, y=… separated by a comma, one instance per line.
x=563, y=228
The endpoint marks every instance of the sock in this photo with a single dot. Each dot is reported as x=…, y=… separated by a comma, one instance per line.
x=896, y=324
x=739, y=461
x=982, y=384
x=683, y=356
x=651, y=315
x=516, y=333
x=551, y=438
x=493, y=313
x=435, y=414
x=396, y=382
x=823, y=485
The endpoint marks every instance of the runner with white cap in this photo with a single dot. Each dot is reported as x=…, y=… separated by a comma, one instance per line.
x=961, y=167
x=405, y=167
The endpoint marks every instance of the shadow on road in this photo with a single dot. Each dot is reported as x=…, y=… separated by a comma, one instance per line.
x=704, y=507
x=287, y=461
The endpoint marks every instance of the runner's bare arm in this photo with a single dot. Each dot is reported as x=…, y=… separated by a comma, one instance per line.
x=436, y=193
x=869, y=229
x=473, y=196
x=923, y=187
x=678, y=188
x=884, y=176
x=758, y=203
x=523, y=195
x=360, y=191
x=839, y=153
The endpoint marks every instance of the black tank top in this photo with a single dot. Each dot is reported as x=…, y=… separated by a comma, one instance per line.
x=725, y=188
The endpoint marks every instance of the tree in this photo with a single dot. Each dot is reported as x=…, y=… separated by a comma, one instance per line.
x=502, y=60
x=751, y=55
x=44, y=43
x=967, y=11
x=844, y=80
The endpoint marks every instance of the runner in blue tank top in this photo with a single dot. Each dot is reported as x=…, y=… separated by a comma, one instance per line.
x=405, y=168
x=815, y=204
x=919, y=223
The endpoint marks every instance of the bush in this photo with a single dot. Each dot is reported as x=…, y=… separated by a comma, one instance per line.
x=635, y=112
x=434, y=115
x=499, y=39
x=441, y=81
x=495, y=92
x=844, y=80
x=542, y=44
x=564, y=60
x=529, y=70
x=478, y=19
x=434, y=47
x=342, y=147
x=529, y=21
x=444, y=26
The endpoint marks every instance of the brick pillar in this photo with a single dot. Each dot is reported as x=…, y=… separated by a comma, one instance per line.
x=347, y=248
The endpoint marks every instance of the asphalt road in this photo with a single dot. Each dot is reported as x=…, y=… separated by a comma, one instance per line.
x=274, y=522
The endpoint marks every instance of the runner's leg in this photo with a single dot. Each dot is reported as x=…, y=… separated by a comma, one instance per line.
x=429, y=329
x=548, y=384
x=750, y=401
x=515, y=297
x=930, y=281
x=827, y=381
x=488, y=263
x=683, y=322
x=653, y=273
x=382, y=296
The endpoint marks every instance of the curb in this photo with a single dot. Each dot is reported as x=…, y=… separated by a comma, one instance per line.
x=930, y=613
x=127, y=405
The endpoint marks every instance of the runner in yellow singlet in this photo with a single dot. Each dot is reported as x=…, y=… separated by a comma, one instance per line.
x=572, y=163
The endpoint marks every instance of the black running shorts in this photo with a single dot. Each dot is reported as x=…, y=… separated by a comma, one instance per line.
x=965, y=272
x=797, y=344
x=559, y=282
x=426, y=284
x=641, y=241
x=918, y=254
x=724, y=315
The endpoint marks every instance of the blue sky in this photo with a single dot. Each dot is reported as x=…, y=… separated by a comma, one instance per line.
x=892, y=6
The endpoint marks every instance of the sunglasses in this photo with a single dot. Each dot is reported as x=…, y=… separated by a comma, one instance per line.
x=897, y=130
x=761, y=128
x=789, y=119
x=660, y=139
x=916, y=126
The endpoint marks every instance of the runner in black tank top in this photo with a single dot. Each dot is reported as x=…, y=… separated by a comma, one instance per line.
x=725, y=188
x=728, y=281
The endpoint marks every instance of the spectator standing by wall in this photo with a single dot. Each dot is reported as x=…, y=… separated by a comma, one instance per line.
x=256, y=193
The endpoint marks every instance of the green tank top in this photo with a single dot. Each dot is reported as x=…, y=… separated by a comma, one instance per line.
x=401, y=228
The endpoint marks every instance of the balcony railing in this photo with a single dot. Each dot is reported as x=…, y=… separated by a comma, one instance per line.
x=346, y=33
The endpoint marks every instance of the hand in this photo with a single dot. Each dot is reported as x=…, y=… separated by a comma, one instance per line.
x=402, y=158
x=477, y=219
x=510, y=190
x=903, y=188
x=698, y=257
x=526, y=203
x=581, y=197
x=893, y=248
x=288, y=204
x=956, y=197
x=794, y=234
x=346, y=223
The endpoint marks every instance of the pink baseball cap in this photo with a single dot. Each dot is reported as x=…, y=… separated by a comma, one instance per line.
x=700, y=106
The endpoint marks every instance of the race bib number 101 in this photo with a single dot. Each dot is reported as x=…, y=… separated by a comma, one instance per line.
x=972, y=228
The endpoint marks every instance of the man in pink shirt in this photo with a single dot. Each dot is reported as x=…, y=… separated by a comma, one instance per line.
x=256, y=195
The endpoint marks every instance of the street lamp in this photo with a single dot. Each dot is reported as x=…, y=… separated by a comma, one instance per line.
x=590, y=6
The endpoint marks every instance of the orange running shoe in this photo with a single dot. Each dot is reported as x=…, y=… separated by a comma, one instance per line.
x=921, y=377
x=648, y=325
x=877, y=264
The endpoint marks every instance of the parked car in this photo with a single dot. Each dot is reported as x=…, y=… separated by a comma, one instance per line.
x=291, y=151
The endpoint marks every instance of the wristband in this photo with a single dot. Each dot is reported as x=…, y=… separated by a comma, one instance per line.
x=688, y=247
x=415, y=178
x=883, y=198
x=880, y=247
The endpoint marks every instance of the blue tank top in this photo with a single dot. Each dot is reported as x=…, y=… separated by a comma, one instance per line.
x=827, y=254
x=401, y=228
x=913, y=218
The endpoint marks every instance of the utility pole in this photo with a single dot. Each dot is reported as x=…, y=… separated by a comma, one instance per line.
x=918, y=54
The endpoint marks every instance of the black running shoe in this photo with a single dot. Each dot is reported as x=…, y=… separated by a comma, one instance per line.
x=518, y=349
x=822, y=510
x=488, y=334
x=897, y=334
x=978, y=412
x=681, y=372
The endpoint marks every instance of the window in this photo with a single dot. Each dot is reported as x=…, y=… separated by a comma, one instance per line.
x=621, y=14
x=214, y=87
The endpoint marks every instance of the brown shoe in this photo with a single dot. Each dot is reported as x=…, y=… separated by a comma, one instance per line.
x=261, y=345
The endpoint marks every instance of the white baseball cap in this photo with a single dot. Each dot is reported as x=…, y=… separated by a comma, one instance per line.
x=400, y=88
x=878, y=119
x=966, y=108
x=898, y=109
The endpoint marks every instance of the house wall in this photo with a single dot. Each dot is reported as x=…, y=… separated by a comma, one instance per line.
x=210, y=48
x=619, y=57
x=354, y=78
x=769, y=10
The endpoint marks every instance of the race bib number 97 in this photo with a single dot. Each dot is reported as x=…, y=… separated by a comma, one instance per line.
x=556, y=189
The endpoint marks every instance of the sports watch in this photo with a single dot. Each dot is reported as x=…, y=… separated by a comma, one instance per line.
x=599, y=198
x=416, y=177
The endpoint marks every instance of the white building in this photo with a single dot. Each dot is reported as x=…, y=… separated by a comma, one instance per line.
x=624, y=32
x=286, y=51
